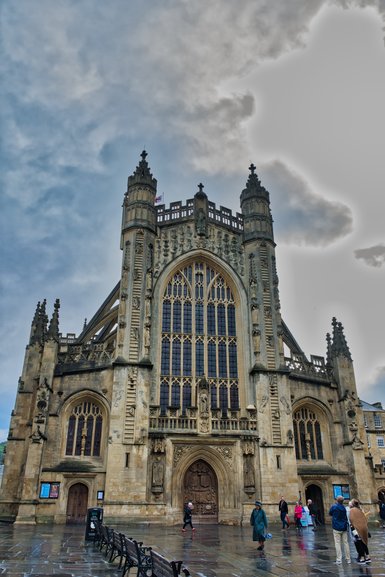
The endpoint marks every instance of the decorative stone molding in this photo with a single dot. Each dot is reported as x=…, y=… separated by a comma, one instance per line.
x=179, y=452
x=227, y=454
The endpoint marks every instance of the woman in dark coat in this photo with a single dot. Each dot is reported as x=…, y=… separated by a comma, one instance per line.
x=258, y=520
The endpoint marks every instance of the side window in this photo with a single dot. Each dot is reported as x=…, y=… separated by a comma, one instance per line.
x=307, y=434
x=84, y=430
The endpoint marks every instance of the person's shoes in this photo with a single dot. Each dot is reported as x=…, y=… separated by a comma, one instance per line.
x=338, y=562
x=183, y=530
x=361, y=561
x=348, y=561
x=193, y=529
x=368, y=560
x=259, y=548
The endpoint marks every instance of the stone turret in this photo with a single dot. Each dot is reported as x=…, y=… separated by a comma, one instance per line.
x=139, y=200
x=255, y=206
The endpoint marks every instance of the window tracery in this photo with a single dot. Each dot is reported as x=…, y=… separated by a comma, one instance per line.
x=198, y=339
x=84, y=431
x=307, y=435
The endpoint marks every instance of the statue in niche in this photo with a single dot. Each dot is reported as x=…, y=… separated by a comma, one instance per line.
x=147, y=338
x=248, y=465
x=204, y=404
x=157, y=472
x=201, y=223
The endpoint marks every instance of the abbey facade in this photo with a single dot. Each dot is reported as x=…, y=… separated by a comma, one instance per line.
x=186, y=384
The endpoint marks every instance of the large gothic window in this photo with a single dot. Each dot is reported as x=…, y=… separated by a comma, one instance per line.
x=84, y=431
x=307, y=435
x=198, y=339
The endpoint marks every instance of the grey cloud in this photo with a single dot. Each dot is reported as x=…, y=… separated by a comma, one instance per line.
x=372, y=256
x=374, y=390
x=100, y=82
x=303, y=216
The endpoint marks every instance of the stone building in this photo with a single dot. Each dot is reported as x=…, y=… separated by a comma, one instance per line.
x=186, y=384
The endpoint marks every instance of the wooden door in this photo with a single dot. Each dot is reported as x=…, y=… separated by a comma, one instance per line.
x=77, y=503
x=201, y=487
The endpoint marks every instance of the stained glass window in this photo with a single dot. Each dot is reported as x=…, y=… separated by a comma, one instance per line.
x=307, y=435
x=84, y=431
x=199, y=338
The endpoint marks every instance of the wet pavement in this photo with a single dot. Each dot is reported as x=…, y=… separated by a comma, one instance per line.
x=211, y=551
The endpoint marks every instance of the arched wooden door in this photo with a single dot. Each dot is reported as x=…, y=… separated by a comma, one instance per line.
x=314, y=493
x=77, y=503
x=201, y=487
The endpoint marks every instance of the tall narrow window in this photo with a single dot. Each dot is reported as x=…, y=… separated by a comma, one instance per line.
x=307, y=435
x=84, y=431
x=199, y=338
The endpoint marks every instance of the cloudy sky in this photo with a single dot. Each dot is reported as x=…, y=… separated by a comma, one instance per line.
x=206, y=88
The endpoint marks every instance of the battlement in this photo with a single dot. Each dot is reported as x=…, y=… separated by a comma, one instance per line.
x=180, y=213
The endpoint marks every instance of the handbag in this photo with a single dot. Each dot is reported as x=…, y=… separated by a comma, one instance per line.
x=287, y=519
x=268, y=536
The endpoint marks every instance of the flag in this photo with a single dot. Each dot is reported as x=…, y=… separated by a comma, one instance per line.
x=159, y=199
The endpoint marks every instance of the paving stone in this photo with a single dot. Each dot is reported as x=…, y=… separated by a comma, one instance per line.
x=213, y=551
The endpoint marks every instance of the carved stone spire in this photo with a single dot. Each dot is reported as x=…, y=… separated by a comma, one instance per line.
x=254, y=186
x=34, y=324
x=328, y=351
x=142, y=174
x=39, y=324
x=53, y=330
x=339, y=346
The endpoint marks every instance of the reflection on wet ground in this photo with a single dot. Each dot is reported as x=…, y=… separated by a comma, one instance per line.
x=211, y=551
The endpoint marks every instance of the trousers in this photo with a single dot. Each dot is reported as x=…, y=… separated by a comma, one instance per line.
x=341, y=539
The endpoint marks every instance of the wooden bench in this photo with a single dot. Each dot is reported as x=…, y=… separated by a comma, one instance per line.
x=161, y=567
x=106, y=540
x=118, y=549
x=136, y=555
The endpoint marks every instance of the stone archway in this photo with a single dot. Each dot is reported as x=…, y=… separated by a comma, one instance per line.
x=314, y=493
x=77, y=503
x=200, y=485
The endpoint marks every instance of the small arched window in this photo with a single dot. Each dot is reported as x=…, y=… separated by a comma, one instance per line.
x=84, y=431
x=307, y=435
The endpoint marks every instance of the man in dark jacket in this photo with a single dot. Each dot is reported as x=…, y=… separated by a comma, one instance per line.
x=340, y=529
x=283, y=509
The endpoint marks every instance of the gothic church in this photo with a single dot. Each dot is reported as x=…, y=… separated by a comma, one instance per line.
x=185, y=385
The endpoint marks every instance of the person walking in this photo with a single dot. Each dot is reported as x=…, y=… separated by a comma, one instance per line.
x=381, y=511
x=298, y=515
x=187, y=517
x=359, y=528
x=312, y=513
x=340, y=529
x=258, y=520
x=284, y=512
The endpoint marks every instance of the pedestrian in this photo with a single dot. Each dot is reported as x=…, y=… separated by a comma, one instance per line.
x=187, y=517
x=340, y=529
x=258, y=520
x=284, y=512
x=359, y=528
x=381, y=505
x=312, y=513
x=298, y=515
